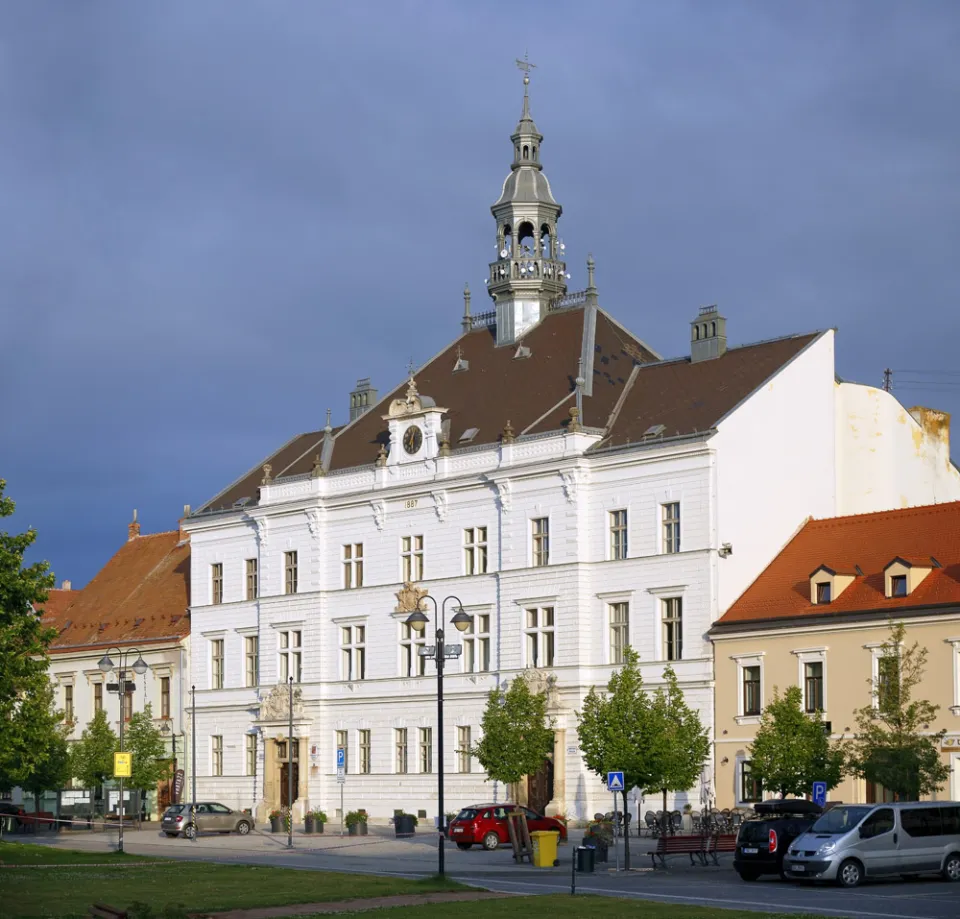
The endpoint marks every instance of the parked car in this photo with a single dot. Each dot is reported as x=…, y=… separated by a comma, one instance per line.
x=11, y=814
x=486, y=825
x=763, y=840
x=210, y=818
x=856, y=841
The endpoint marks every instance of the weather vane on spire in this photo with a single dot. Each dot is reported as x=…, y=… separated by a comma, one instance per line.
x=526, y=67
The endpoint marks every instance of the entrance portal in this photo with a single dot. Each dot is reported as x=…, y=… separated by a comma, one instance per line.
x=540, y=787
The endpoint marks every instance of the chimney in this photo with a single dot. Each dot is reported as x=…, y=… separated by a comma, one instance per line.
x=186, y=513
x=133, y=528
x=708, y=335
x=66, y=585
x=362, y=399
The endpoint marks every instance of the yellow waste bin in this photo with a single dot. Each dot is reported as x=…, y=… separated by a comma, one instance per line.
x=544, y=848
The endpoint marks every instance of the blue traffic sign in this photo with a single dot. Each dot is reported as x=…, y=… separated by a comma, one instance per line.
x=341, y=757
x=820, y=793
x=614, y=781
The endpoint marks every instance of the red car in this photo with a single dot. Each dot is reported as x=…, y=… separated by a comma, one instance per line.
x=486, y=825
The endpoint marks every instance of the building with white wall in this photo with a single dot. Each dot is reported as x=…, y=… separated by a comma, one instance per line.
x=549, y=470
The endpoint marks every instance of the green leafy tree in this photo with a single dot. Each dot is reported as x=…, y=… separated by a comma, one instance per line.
x=517, y=735
x=892, y=745
x=682, y=745
x=150, y=761
x=791, y=749
x=91, y=757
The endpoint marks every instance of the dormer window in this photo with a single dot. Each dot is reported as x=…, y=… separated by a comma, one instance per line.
x=898, y=585
x=904, y=575
x=826, y=584
x=823, y=591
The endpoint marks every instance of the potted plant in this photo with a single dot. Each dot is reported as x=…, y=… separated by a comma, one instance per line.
x=404, y=824
x=314, y=820
x=276, y=820
x=599, y=834
x=352, y=820
x=363, y=821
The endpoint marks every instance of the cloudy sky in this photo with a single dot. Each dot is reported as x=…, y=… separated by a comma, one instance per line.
x=218, y=215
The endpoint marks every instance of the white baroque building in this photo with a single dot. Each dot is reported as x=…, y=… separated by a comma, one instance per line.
x=573, y=489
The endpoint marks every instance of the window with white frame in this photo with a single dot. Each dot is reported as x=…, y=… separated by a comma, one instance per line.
x=216, y=583
x=426, y=750
x=164, y=697
x=411, y=558
x=353, y=652
x=97, y=697
x=464, y=747
x=342, y=744
x=751, y=689
x=363, y=748
x=539, y=631
x=250, y=753
x=289, y=644
x=750, y=789
x=476, y=645
x=671, y=526
x=68, y=703
x=216, y=754
x=540, y=534
x=888, y=681
x=618, y=535
x=251, y=660
x=216, y=663
x=412, y=662
x=619, y=630
x=475, y=550
x=253, y=578
x=353, y=565
x=400, y=748
x=290, y=575
x=672, y=611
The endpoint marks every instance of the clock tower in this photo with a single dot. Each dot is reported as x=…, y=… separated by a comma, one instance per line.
x=415, y=424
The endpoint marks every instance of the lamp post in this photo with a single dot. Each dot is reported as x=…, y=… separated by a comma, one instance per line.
x=193, y=754
x=417, y=621
x=290, y=769
x=106, y=665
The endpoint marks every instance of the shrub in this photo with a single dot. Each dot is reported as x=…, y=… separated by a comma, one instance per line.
x=319, y=815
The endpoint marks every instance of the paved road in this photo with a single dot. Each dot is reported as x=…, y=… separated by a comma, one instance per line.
x=381, y=853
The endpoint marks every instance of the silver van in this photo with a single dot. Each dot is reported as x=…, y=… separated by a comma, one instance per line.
x=851, y=842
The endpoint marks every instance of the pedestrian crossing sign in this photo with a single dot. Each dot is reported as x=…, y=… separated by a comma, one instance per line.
x=614, y=781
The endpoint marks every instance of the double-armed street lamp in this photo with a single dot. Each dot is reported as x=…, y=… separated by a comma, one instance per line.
x=418, y=621
x=121, y=688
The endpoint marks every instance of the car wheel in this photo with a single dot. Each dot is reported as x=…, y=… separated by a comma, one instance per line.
x=190, y=831
x=464, y=845
x=243, y=827
x=491, y=841
x=748, y=875
x=951, y=867
x=850, y=873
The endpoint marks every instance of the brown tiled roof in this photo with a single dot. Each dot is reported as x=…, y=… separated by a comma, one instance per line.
x=869, y=541
x=529, y=392
x=58, y=601
x=140, y=595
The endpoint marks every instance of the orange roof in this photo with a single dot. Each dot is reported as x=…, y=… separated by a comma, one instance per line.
x=869, y=541
x=140, y=595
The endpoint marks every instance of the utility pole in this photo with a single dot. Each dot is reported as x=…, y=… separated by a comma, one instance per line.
x=290, y=769
x=888, y=380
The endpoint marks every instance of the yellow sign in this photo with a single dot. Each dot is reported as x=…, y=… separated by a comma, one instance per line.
x=122, y=764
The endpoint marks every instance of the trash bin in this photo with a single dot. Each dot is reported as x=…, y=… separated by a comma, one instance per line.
x=585, y=859
x=544, y=848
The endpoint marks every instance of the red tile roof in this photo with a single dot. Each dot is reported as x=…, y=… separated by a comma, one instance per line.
x=869, y=541
x=57, y=602
x=140, y=595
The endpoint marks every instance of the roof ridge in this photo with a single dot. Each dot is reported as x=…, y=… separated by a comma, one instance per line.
x=746, y=344
x=915, y=510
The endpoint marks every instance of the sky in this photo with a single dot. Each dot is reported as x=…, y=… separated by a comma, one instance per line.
x=217, y=216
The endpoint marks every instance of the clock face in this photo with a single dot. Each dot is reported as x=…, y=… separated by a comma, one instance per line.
x=412, y=439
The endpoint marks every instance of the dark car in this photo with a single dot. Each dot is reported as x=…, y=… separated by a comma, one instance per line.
x=486, y=824
x=763, y=840
x=209, y=817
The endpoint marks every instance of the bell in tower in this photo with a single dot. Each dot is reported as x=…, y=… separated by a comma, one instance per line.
x=529, y=271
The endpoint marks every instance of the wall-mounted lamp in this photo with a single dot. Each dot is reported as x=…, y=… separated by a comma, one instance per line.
x=725, y=550
x=724, y=761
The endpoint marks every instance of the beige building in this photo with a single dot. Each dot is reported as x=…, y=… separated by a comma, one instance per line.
x=817, y=617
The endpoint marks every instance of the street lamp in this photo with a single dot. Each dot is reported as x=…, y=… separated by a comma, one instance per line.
x=122, y=687
x=418, y=621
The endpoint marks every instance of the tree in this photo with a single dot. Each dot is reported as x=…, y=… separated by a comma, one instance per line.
x=682, y=745
x=144, y=740
x=517, y=735
x=791, y=749
x=890, y=746
x=91, y=757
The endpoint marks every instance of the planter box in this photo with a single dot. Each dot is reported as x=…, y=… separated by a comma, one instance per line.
x=308, y=824
x=276, y=824
x=354, y=829
x=363, y=828
x=405, y=825
x=318, y=826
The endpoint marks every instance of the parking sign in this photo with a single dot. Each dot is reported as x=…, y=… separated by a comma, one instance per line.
x=341, y=757
x=820, y=793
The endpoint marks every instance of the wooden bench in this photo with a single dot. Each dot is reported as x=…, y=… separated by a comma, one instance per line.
x=718, y=845
x=102, y=911
x=677, y=845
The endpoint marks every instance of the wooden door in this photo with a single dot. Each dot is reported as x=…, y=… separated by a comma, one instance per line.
x=540, y=787
x=285, y=783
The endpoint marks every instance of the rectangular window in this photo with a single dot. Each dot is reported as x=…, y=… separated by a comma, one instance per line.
x=618, y=535
x=888, y=682
x=290, y=572
x=813, y=686
x=216, y=663
x=823, y=591
x=426, y=750
x=475, y=550
x=400, y=740
x=250, y=753
x=216, y=750
x=619, y=631
x=216, y=583
x=353, y=652
x=127, y=706
x=464, y=756
x=253, y=579
x=411, y=554
x=750, y=788
x=68, y=703
x=540, y=528
x=342, y=745
x=412, y=662
x=751, y=691
x=251, y=660
x=363, y=746
x=290, y=655
x=898, y=585
x=540, y=637
x=164, y=697
x=476, y=645
x=671, y=527
x=673, y=629
x=353, y=565
x=97, y=697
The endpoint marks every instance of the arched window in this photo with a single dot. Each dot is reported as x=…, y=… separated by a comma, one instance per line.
x=696, y=333
x=546, y=242
x=713, y=330
x=526, y=152
x=506, y=240
x=534, y=151
x=517, y=154
x=525, y=237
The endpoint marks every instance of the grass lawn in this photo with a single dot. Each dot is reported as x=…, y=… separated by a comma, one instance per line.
x=18, y=853
x=69, y=888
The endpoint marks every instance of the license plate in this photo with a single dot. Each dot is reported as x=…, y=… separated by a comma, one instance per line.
x=458, y=829
x=798, y=868
x=747, y=851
